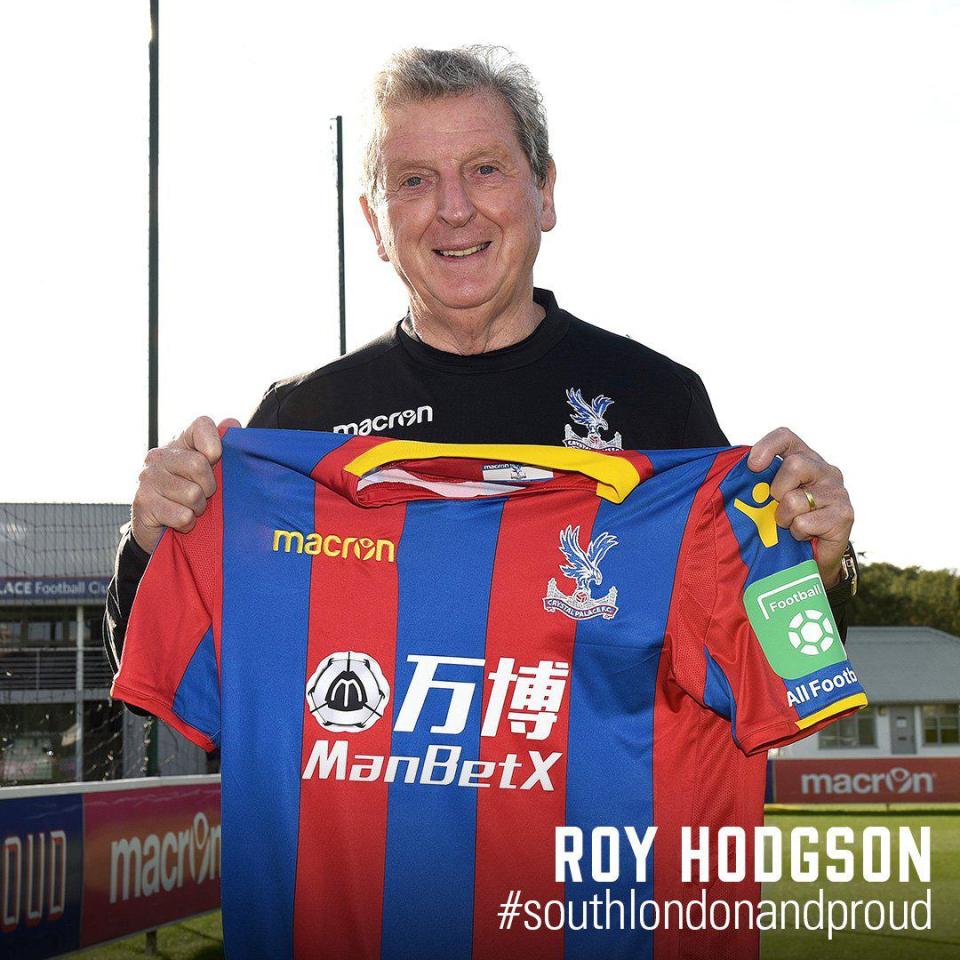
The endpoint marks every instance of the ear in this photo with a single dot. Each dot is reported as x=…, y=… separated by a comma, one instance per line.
x=371, y=218
x=548, y=218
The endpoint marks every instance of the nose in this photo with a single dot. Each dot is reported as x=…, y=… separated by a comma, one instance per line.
x=455, y=206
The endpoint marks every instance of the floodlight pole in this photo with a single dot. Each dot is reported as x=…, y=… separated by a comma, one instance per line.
x=340, y=250
x=152, y=727
x=152, y=298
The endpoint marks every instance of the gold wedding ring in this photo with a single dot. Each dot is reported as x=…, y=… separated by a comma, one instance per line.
x=809, y=496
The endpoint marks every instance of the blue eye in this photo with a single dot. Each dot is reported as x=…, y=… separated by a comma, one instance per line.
x=409, y=182
x=486, y=167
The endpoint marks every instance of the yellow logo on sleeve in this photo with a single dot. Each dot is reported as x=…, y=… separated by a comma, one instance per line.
x=763, y=516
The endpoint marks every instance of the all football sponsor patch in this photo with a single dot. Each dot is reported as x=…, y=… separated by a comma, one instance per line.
x=791, y=616
x=815, y=691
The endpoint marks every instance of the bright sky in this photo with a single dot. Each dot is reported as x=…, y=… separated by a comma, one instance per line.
x=765, y=191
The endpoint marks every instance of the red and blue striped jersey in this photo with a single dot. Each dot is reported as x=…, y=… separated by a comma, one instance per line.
x=419, y=660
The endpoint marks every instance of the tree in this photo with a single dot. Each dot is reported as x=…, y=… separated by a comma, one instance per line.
x=890, y=596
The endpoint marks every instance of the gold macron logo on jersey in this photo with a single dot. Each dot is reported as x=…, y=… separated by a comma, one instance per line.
x=330, y=545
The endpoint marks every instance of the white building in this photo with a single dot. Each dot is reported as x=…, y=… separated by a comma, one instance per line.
x=912, y=679
x=57, y=721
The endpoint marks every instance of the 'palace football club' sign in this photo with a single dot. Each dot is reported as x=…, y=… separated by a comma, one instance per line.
x=47, y=590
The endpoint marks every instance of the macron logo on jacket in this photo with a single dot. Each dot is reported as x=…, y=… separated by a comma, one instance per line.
x=386, y=421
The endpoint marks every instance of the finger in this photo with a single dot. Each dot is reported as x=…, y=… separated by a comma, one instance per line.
x=798, y=470
x=791, y=505
x=155, y=511
x=203, y=437
x=780, y=442
x=188, y=464
x=182, y=492
x=830, y=525
x=224, y=425
x=794, y=503
x=176, y=516
x=831, y=534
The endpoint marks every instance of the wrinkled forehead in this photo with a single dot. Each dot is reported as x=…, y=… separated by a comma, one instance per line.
x=448, y=129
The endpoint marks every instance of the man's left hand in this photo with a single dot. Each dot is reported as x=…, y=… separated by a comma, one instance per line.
x=803, y=471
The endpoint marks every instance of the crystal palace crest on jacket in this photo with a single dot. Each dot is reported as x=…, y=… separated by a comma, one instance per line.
x=589, y=415
x=583, y=567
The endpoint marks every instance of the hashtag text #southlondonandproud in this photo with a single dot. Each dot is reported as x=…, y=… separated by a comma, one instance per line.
x=607, y=912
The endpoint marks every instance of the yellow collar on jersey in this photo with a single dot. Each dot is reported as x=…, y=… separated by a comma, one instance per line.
x=616, y=476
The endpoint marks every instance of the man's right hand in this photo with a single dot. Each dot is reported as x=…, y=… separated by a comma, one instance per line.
x=176, y=482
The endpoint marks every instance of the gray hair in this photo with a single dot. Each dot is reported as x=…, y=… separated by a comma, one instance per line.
x=415, y=74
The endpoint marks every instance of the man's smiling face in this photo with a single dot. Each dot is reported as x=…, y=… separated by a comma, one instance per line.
x=461, y=212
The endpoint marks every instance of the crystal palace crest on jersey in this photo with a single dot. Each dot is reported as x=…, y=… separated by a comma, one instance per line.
x=583, y=567
x=589, y=415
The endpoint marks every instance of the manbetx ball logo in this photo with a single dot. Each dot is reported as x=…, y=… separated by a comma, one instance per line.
x=348, y=692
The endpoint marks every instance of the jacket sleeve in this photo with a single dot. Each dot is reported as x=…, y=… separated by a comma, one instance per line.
x=267, y=413
x=702, y=428
x=129, y=566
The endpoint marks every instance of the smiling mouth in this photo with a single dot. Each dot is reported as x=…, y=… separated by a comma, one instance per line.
x=463, y=253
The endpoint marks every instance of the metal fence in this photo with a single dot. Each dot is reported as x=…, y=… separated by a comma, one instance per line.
x=54, y=668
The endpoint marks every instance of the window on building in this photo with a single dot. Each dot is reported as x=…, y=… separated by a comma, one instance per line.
x=22, y=627
x=55, y=626
x=858, y=730
x=941, y=723
x=38, y=649
x=9, y=628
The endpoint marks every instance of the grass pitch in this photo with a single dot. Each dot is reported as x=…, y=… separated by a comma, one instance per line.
x=941, y=942
x=199, y=938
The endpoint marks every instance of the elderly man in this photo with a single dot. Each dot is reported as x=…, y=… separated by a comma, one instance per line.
x=458, y=187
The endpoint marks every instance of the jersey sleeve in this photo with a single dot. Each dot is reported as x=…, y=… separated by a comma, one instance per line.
x=754, y=637
x=170, y=664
